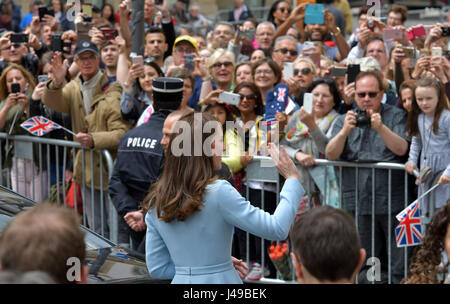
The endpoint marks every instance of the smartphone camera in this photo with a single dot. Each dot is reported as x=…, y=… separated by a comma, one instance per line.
x=15, y=88
x=445, y=31
x=19, y=38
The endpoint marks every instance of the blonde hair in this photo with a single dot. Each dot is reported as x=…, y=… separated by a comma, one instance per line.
x=219, y=53
x=308, y=61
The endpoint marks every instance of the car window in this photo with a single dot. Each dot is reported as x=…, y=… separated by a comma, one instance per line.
x=11, y=204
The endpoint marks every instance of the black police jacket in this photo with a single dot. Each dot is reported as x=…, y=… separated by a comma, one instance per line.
x=138, y=164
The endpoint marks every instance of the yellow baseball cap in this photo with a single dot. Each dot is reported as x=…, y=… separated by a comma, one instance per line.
x=188, y=39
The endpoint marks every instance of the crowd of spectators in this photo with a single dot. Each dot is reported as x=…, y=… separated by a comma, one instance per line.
x=368, y=104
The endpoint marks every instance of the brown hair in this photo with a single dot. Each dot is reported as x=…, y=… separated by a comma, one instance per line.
x=413, y=115
x=399, y=9
x=179, y=191
x=12, y=66
x=407, y=84
x=43, y=238
x=273, y=66
x=259, y=109
x=373, y=73
x=183, y=73
x=427, y=257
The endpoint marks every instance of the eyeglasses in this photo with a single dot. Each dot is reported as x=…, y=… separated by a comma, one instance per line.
x=304, y=71
x=363, y=94
x=284, y=52
x=248, y=96
x=220, y=64
x=88, y=58
x=284, y=9
x=184, y=51
x=227, y=33
x=265, y=71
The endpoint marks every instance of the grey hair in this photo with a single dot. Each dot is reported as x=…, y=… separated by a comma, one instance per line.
x=224, y=23
x=286, y=37
x=266, y=23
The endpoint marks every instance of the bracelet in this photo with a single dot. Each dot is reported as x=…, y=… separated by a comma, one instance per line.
x=127, y=86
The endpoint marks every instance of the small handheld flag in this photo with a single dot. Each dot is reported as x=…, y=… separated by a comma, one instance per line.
x=405, y=211
x=409, y=232
x=39, y=126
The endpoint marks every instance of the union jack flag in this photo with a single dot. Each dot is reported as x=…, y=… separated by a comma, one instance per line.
x=409, y=232
x=281, y=94
x=39, y=125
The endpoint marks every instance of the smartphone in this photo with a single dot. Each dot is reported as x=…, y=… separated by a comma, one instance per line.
x=392, y=34
x=230, y=98
x=436, y=51
x=56, y=43
x=314, y=14
x=315, y=57
x=138, y=60
x=419, y=31
x=339, y=71
x=352, y=71
x=445, y=31
x=189, y=61
x=250, y=34
x=42, y=78
x=42, y=11
x=86, y=8
x=18, y=38
x=288, y=70
x=308, y=102
x=158, y=2
x=82, y=29
x=15, y=87
x=409, y=51
x=109, y=34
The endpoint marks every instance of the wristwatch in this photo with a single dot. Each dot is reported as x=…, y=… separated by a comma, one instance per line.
x=127, y=86
x=338, y=32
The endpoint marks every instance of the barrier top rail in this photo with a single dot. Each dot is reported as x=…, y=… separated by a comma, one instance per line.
x=59, y=142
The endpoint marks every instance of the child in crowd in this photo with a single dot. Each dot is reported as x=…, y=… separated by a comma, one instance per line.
x=429, y=124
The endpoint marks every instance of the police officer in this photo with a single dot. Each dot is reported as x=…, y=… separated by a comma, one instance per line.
x=139, y=160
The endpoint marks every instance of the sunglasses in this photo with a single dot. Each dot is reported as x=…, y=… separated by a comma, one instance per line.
x=285, y=51
x=284, y=9
x=363, y=94
x=225, y=64
x=304, y=71
x=249, y=96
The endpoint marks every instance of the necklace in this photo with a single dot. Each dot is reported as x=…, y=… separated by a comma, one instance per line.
x=428, y=139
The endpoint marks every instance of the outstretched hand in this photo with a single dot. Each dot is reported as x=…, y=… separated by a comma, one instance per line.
x=283, y=162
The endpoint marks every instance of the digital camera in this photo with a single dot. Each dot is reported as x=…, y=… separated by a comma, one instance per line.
x=362, y=119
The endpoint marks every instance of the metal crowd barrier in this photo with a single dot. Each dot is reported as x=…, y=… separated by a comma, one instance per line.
x=28, y=148
x=259, y=171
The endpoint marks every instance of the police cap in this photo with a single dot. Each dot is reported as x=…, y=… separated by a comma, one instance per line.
x=167, y=85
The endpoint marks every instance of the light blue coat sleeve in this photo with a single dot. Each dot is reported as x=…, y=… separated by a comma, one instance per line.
x=240, y=213
x=157, y=256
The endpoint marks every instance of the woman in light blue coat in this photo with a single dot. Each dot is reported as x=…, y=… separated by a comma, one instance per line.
x=191, y=213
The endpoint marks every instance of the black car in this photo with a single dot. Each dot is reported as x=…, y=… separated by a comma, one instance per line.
x=107, y=262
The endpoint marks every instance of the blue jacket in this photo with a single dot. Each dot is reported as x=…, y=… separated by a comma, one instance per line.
x=198, y=250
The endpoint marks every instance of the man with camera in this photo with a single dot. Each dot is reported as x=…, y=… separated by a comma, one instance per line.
x=375, y=133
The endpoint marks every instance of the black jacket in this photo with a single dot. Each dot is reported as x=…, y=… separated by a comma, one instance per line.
x=138, y=164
